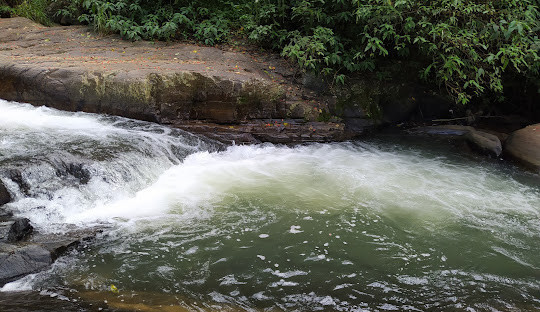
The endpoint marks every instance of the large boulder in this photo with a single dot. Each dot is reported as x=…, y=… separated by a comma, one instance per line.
x=524, y=146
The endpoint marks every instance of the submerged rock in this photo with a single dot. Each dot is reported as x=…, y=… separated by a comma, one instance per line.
x=524, y=146
x=34, y=301
x=58, y=244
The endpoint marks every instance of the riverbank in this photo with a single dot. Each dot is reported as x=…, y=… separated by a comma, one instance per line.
x=232, y=94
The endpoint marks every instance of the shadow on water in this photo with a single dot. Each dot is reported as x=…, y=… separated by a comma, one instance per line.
x=36, y=302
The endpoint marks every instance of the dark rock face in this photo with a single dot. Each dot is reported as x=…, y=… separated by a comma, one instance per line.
x=315, y=83
x=5, y=197
x=13, y=3
x=524, y=146
x=396, y=98
x=20, y=230
x=55, y=6
x=18, y=261
x=15, y=230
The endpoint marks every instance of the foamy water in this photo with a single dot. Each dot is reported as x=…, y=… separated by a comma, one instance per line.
x=113, y=159
x=343, y=226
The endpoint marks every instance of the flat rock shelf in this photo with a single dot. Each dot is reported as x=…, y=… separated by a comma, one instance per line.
x=246, y=97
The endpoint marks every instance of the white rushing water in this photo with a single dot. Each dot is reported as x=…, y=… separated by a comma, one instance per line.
x=71, y=163
x=137, y=169
x=170, y=194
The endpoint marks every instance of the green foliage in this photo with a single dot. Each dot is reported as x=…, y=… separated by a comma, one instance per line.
x=67, y=8
x=5, y=11
x=34, y=10
x=164, y=20
x=467, y=46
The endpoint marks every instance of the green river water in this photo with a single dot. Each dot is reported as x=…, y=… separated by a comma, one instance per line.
x=387, y=224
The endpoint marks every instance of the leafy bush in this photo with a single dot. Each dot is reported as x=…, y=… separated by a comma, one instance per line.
x=465, y=45
x=5, y=11
x=143, y=19
x=68, y=9
x=34, y=10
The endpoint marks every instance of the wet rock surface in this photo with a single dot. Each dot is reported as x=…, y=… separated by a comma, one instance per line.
x=443, y=130
x=15, y=230
x=24, y=252
x=5, y=215
x=274, y=131
x=484, y=142
x=16, y=176
x=17, y=261
x=59, y=244
x=5, y=197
